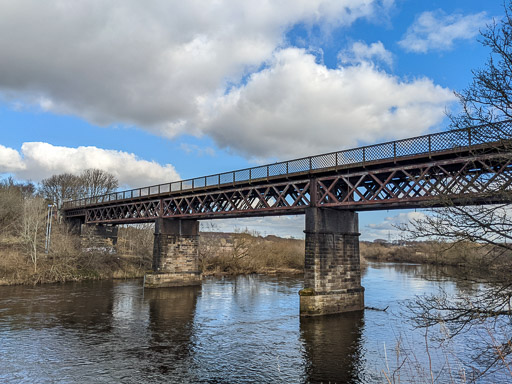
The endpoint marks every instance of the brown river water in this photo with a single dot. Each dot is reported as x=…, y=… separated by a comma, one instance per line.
x=242, y=329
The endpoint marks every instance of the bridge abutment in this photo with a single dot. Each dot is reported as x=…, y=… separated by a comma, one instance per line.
x=332, y=272
x=175, y=254
x=98, y=238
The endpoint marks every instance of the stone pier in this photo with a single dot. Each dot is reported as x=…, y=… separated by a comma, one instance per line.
x=175, y=254
x=99, y=238
x=332, y=272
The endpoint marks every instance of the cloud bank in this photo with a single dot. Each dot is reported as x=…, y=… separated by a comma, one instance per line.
x=217, y=68
x=37, y=161
x=145, y=63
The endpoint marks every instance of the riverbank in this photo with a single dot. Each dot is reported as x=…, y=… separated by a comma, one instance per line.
x=220, y=254
x=468, y=255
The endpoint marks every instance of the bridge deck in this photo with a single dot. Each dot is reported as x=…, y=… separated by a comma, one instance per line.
x=395, y=174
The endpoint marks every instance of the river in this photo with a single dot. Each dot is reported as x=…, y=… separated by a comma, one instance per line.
x=242, y=329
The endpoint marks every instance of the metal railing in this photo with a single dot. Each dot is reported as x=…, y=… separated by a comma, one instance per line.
x=428, y=144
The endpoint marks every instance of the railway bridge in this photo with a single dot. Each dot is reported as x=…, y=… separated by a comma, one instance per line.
x=465, y=167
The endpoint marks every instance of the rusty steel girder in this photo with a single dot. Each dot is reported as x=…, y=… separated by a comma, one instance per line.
x=483, y=178
x=465, y=181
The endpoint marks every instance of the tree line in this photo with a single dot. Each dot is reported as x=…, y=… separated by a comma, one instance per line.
x=24, y=212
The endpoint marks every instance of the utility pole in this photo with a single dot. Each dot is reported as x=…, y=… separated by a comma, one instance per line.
x=49, y=228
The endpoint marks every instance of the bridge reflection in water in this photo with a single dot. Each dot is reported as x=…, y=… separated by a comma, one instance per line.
x=333, y=347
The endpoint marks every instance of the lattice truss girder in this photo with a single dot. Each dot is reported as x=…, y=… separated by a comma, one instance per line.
x=471, y=177
x=137, y=211
x=264, y=198
x=475, y=177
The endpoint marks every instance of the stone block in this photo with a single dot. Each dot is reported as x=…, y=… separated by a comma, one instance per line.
x=161, y=280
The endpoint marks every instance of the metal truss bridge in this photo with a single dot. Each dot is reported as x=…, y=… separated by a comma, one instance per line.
x=467, y=166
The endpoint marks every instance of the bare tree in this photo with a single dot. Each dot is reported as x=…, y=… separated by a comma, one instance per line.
x=32, y=226
x=59, y=188
x=96, y=182
x=66, y=186
x=11, y=202
x=486, y=101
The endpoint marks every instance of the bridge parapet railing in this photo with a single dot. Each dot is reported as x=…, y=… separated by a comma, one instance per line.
x=427, y=144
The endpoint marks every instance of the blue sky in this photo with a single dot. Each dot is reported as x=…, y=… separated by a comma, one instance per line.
x=161, y=90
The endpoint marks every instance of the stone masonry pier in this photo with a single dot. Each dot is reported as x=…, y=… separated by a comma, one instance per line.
x=175, y=254
x=332, y=272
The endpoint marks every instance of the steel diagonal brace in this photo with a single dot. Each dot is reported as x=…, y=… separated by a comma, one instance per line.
x=262, y=198
x=383, y=185
x=301, y=194
x=327, y=189
x=353, y=188
x=280, y=196
x=501, y=174
x=409, y=188
x=455, y=179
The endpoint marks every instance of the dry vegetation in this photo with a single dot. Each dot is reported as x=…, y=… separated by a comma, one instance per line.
x=472, y=255
x=23, y=260
x=248, y=252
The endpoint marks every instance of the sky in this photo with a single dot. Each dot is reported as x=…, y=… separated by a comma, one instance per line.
x=162, y=90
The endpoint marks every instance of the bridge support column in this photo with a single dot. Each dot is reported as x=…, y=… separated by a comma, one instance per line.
x=98, y=238
x=332, y=272
x=175, y=254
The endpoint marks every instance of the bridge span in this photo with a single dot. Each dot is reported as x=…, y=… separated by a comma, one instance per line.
x=465, y=167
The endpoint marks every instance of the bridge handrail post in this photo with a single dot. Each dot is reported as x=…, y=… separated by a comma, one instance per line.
x=394, y=151
x=219, y=180
x=181, y=185
x=364, y=156
x=193, y=184
x=429, y=146
x=469, y=136
x=268, y=171
x=234, y=177
x=310, y=163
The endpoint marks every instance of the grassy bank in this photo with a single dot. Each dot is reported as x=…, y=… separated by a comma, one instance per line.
x=242, y=252
x=246, y=252
x=69, y=260
x=461, y=254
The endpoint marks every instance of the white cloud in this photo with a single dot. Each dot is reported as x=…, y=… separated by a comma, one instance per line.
x=41, y=160
x=438, y=31
x=146, y=63
x=10, y=160
x=362, y=52
x=296, y=107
